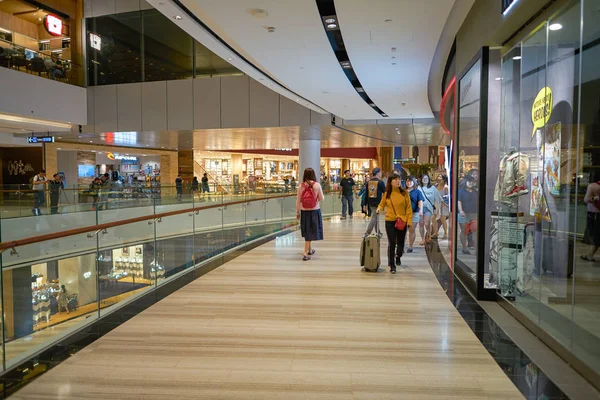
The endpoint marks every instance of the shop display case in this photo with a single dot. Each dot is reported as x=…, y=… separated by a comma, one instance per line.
x=476, y=167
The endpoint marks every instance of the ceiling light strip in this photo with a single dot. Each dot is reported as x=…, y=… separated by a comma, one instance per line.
x=212, y=33
x=336, y=40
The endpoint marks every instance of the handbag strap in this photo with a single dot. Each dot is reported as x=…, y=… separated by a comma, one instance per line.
x=427, y=197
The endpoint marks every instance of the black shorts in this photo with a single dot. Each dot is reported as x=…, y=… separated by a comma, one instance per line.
x=593, y=227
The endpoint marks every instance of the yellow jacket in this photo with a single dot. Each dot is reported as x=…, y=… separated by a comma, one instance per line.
x=401, y=204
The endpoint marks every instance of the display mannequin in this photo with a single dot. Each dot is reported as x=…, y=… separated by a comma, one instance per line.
x=512, y=177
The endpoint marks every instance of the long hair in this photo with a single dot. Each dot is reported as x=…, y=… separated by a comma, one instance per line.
x=389, y=187
x=444, y=178
x=428, y=177
x=309, y=175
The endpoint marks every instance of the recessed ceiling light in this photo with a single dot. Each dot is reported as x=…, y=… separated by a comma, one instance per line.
x=60, y=137
x=91, y=141
x=177, y=17
x=331, y=26
x=372, y=104
x=384, y=115
x=359, y=89
x=230, y=59
x=498, y=78
x=555, y=27
x=330, y=20
x=387, y=21
x=516, y=57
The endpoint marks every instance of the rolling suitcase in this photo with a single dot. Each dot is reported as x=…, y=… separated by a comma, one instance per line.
x=370, y=258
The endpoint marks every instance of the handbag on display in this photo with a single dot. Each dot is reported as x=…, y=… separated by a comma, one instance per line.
x=400, y=223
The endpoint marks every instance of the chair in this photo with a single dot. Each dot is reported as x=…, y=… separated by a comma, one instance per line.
x=19, y=61
x=37, y=65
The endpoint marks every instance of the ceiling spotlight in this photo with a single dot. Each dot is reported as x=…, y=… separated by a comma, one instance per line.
x=384, y=115
x=177, y=17
x=91, y=141
x=372, y=104
x=270, y=29
x=387, y=21
x=359, y=89
x=330, y=20
x=331, y=26
x=498, y=78
x=60, y=137
x=555, y=27
x=230, y=59
x=517, y=58
x=346, y=64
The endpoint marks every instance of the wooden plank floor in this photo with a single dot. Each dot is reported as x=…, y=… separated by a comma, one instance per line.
x=269, y=326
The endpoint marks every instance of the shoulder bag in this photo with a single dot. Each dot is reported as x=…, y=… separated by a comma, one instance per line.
x=400, y=223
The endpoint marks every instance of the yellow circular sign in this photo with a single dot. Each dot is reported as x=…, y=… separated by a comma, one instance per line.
x=110, y=156
x=541, y=109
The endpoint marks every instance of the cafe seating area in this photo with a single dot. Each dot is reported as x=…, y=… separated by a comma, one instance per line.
x=21, y=59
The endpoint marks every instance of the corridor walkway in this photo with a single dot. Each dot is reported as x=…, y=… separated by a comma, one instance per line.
x=269, y=326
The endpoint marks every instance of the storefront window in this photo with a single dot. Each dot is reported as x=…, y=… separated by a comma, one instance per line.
x=549, y=144
x=468, y=168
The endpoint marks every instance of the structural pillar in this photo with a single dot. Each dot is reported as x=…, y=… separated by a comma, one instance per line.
x=345, y=165
x=310, y=152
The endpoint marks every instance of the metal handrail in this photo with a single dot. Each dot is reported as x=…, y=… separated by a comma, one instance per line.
x=99, y=227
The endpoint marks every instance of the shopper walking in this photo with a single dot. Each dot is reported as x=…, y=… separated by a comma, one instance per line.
x=39, y=183
x=179, y=187
x=62, y=300
x=416, y=201
x=467, y=213
x=347, y=189
x=398, y=218
x=375, y=190
x=205, y=188
x=308, y=211
x=105, y=188
x=93, y=190
x=431, y=198
x=56, y=185
x=592, y=199
x=443, y=211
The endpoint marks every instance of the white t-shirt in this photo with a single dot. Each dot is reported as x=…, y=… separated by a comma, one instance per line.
x=593, y=191
x=39, y=186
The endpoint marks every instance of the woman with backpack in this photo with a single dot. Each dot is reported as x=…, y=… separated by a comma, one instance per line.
x=398, y=219
x=308, y=211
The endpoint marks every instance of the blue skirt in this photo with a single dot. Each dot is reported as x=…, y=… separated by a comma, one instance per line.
x=311, y=225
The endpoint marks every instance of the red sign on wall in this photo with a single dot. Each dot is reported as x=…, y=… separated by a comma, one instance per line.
x=53, y=25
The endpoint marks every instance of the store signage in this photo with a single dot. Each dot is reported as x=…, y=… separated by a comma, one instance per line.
x=40, y=139
x=53, y=25
x=507, y=5
x=541, y=111
x=113, y=157
x=95, y=41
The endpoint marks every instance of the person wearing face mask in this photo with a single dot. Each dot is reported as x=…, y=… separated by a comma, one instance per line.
x=396, y=203
x=467, y=212
x=431, y=198
x=416, y=201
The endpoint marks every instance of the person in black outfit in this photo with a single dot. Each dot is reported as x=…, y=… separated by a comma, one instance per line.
x=347, y=187
x=179, y=187
x=56, y=184
x=205, y=188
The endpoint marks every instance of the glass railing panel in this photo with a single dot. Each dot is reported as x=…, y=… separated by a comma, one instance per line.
x=235, y=231
x=174, y=244
x=47, y=300
x=255, y=219
x=129, y=254
x=208, y=234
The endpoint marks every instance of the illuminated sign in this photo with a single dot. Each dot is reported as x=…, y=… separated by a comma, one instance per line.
x=95, y=41
x=541, y=110
x=40, y=139
x=283, y=149
x=507, y=5
x=53, y=25
x=113, y=157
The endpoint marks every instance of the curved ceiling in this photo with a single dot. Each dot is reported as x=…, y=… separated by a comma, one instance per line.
x=299, y=55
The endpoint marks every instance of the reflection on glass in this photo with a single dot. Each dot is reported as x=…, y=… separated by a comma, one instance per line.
x=468, y=168
x=550, y=145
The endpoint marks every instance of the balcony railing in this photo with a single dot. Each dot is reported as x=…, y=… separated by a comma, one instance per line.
x=105, y=263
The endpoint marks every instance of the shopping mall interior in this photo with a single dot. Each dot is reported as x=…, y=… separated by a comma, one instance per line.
x=162, y=233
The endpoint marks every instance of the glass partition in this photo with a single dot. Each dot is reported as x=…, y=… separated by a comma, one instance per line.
x=146, y=46
x=53, y=288
x=549, y=135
